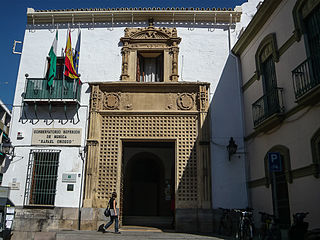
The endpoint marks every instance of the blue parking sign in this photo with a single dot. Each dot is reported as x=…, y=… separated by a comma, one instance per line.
x=274, y=162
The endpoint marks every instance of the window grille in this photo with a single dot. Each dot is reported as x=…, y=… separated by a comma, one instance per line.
x=42, y=177
x=312, y=23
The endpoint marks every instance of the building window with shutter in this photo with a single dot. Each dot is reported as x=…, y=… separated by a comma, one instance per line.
x=42, y=177
x=60, y=68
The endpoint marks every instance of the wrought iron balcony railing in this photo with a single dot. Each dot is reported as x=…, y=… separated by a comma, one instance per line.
x=269, y=104
x=37, y=89
x=305, y=77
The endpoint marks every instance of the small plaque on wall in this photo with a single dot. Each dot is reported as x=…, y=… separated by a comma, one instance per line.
x=69, y=177
x=56, y=136
x=70, y=187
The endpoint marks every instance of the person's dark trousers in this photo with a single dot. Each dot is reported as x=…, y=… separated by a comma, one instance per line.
x=116, y=224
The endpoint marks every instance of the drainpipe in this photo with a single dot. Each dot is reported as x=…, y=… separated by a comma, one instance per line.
x=229, y=34
x=82, y=172
x=79, y=208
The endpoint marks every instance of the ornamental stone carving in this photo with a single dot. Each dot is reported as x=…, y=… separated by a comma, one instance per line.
x=160, y=39
x=150, y=33
x=112, y=101
x=185, y=101
x=96, y=98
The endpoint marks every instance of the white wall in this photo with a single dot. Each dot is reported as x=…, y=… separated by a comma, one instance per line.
x=201, y=58
x=229, y=188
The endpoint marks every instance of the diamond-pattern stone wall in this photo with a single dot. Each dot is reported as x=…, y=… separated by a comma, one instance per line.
x=182, y=128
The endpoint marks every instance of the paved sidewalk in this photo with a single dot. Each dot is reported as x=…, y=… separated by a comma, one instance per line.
x=131, y=235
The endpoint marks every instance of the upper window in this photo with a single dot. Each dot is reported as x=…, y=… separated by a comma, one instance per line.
x=60, y=68
x=150, y=67
x=150, y=54
x=315, y=146
x=268, y=75
x=306, y=77
x=269, y=104
x=312, y=26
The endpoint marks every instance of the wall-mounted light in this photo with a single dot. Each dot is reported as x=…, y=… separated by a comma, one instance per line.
x=232, y=147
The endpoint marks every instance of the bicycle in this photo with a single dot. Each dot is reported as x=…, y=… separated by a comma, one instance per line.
x=299, y=228
x=225, y=224
x=245, y=229
x=270, y=229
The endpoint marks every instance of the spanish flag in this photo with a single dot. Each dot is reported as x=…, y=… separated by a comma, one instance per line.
x=69, y=71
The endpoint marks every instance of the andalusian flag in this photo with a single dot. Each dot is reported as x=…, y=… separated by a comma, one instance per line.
x=53, y=60
x=69, y=68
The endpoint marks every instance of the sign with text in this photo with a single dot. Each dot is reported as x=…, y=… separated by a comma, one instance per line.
x=56, y=136
x=274, y=162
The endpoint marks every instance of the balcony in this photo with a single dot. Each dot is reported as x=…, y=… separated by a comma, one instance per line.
x=268, y=109
x=306, y=80
x=37, y=90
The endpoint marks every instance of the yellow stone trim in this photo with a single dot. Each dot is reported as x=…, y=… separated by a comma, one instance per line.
x=150, y=39
x=260, y=18
x=300, y=11
x=287, y=45
x=268, y=47
x=111, y=124
x=250, y=82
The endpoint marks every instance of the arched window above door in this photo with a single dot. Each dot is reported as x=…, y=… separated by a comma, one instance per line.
x=285, y=155
x=267, y=51
x=300, y=12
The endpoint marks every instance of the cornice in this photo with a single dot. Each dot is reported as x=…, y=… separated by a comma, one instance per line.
x=149, y=84
x=133, y=15
x=260, y=18
x=164, y=87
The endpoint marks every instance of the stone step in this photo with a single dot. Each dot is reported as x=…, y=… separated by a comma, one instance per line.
x=148, y=221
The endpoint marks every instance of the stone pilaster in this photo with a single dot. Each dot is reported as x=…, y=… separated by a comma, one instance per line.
x=93, y=147
x=204, y=179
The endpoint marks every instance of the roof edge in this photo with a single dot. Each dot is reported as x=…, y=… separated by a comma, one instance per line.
x=257, y=22
x=133, y=14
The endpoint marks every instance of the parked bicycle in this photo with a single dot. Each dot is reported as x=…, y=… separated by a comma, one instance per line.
x=299, y=227
x=245, y=229
x=225, y=224
x=270, y=229
x=313, y=234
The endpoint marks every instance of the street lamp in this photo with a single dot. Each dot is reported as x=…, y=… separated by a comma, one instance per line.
x=232, y=147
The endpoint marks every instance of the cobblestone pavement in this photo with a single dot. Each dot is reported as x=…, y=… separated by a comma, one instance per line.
x=131, y=235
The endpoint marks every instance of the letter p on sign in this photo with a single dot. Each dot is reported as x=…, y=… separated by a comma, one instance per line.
x=275, y=163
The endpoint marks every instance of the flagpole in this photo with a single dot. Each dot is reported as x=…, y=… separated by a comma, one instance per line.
x=64, y=65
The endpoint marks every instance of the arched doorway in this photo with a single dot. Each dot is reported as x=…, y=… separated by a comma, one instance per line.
x=279, y=180
x=143, y=185
x=148, y=183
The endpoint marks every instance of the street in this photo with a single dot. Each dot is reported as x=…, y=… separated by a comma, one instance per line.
x=130, y=235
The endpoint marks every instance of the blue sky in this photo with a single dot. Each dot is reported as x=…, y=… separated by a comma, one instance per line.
x=13, y=19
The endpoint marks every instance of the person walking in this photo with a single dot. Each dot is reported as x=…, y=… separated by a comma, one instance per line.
x=114, y=214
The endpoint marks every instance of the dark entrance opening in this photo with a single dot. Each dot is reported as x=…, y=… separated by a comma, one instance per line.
x=280, y=197
x=148, y=183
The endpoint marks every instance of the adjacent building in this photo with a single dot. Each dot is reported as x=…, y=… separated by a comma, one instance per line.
x=5, y=118
x=279, y=55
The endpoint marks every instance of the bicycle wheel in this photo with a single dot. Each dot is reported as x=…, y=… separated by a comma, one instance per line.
x=276, y=234
x=247, y=232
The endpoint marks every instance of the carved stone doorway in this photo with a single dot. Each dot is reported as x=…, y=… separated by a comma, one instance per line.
x=148, y=183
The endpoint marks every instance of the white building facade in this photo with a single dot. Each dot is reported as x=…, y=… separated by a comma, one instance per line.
x=51, y=168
